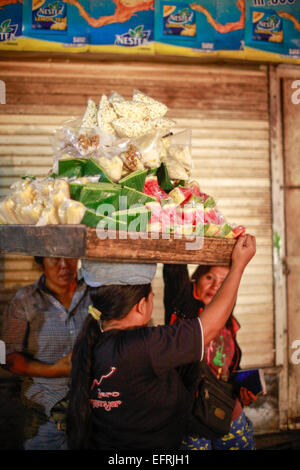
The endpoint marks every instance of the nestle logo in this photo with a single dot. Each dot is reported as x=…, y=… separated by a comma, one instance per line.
x=134, y=37
x=8, y=30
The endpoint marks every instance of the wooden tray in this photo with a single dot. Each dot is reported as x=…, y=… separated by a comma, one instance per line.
x=79, y=241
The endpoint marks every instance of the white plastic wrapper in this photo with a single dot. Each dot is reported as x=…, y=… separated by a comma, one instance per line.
x=48, y=216
x=85, y=179
x=43, y=189
x=132, y=159
x=176, y=170
x=29, y=214
x=149, y=149
x=72, y=140
x=112, y=165
x=59, y=193
x=71, y=212
x=23, y=192
x=179, y=148
x=7, y=211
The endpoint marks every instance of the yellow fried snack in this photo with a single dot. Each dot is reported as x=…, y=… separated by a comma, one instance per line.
x=189, y=30
x=37, y=4
x=59, y=25
x=277, y=36
x=257, y=16
x=168, y=10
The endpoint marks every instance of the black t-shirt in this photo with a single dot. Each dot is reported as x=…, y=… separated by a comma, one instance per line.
x=137, y=397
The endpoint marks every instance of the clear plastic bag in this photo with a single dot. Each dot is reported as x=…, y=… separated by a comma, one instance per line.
x=48, y=216
x=30, y=214
x=176, y=171
x=59, y=193
x=179, y=147
x=149, y=149
x=23, y=192
x=7, y=211
x=132, y=159
x=112, y=164
x=71, y=212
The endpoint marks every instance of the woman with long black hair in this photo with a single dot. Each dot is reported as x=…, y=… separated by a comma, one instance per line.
x=125, y=390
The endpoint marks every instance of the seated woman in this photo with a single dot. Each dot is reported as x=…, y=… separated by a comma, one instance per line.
x=40, y=325
x=222, y=353
x=125, y=391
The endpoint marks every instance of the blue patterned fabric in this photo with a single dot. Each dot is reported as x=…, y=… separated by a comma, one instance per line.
x=240, y=437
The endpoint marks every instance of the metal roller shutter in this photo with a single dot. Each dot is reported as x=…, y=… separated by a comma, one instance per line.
x=227, y=110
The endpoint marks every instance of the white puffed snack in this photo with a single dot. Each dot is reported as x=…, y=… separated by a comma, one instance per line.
x=90, y=117
x=129, y=128
x=130, y=110
x=157, y=108
x=106, y=113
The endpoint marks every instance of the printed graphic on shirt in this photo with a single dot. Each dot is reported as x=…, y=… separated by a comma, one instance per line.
x=219, y=354
x=102, y=396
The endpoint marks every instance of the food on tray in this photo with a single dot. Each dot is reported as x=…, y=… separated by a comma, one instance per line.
x=158, y=109
x=113, y=166
x=149, y=149
x=152, y=188
x=71, y=212
x=106, y=115
x=90, y=117
x=176, y=170
x=7, y=211
x=119, y=168
x=48, y=216
x=132, y=158
x=29, y=214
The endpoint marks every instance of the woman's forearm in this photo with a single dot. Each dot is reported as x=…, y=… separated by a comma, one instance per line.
x=20, y=364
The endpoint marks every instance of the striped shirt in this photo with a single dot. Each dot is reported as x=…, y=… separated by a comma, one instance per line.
x=37, y=324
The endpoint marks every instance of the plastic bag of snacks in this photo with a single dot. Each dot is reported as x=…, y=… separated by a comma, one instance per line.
x=71, y=212
x=149, y=150
x=177, y=155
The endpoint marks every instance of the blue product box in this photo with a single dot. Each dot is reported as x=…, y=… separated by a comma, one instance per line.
x=118, y=23
x=56, y=21
x=273, y=26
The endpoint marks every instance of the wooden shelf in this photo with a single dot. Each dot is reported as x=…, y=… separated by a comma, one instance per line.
x=78, y=241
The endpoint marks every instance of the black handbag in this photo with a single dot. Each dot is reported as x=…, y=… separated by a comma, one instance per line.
x=212, y=409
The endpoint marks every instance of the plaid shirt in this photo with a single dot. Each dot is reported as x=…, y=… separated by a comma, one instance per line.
x=36, y=323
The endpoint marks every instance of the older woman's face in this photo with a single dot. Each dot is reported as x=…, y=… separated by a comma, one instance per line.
x=60, y=272
x=208, y=284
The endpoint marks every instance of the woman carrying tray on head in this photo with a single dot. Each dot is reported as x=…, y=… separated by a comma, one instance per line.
x=125, y=390
x=222, y=354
